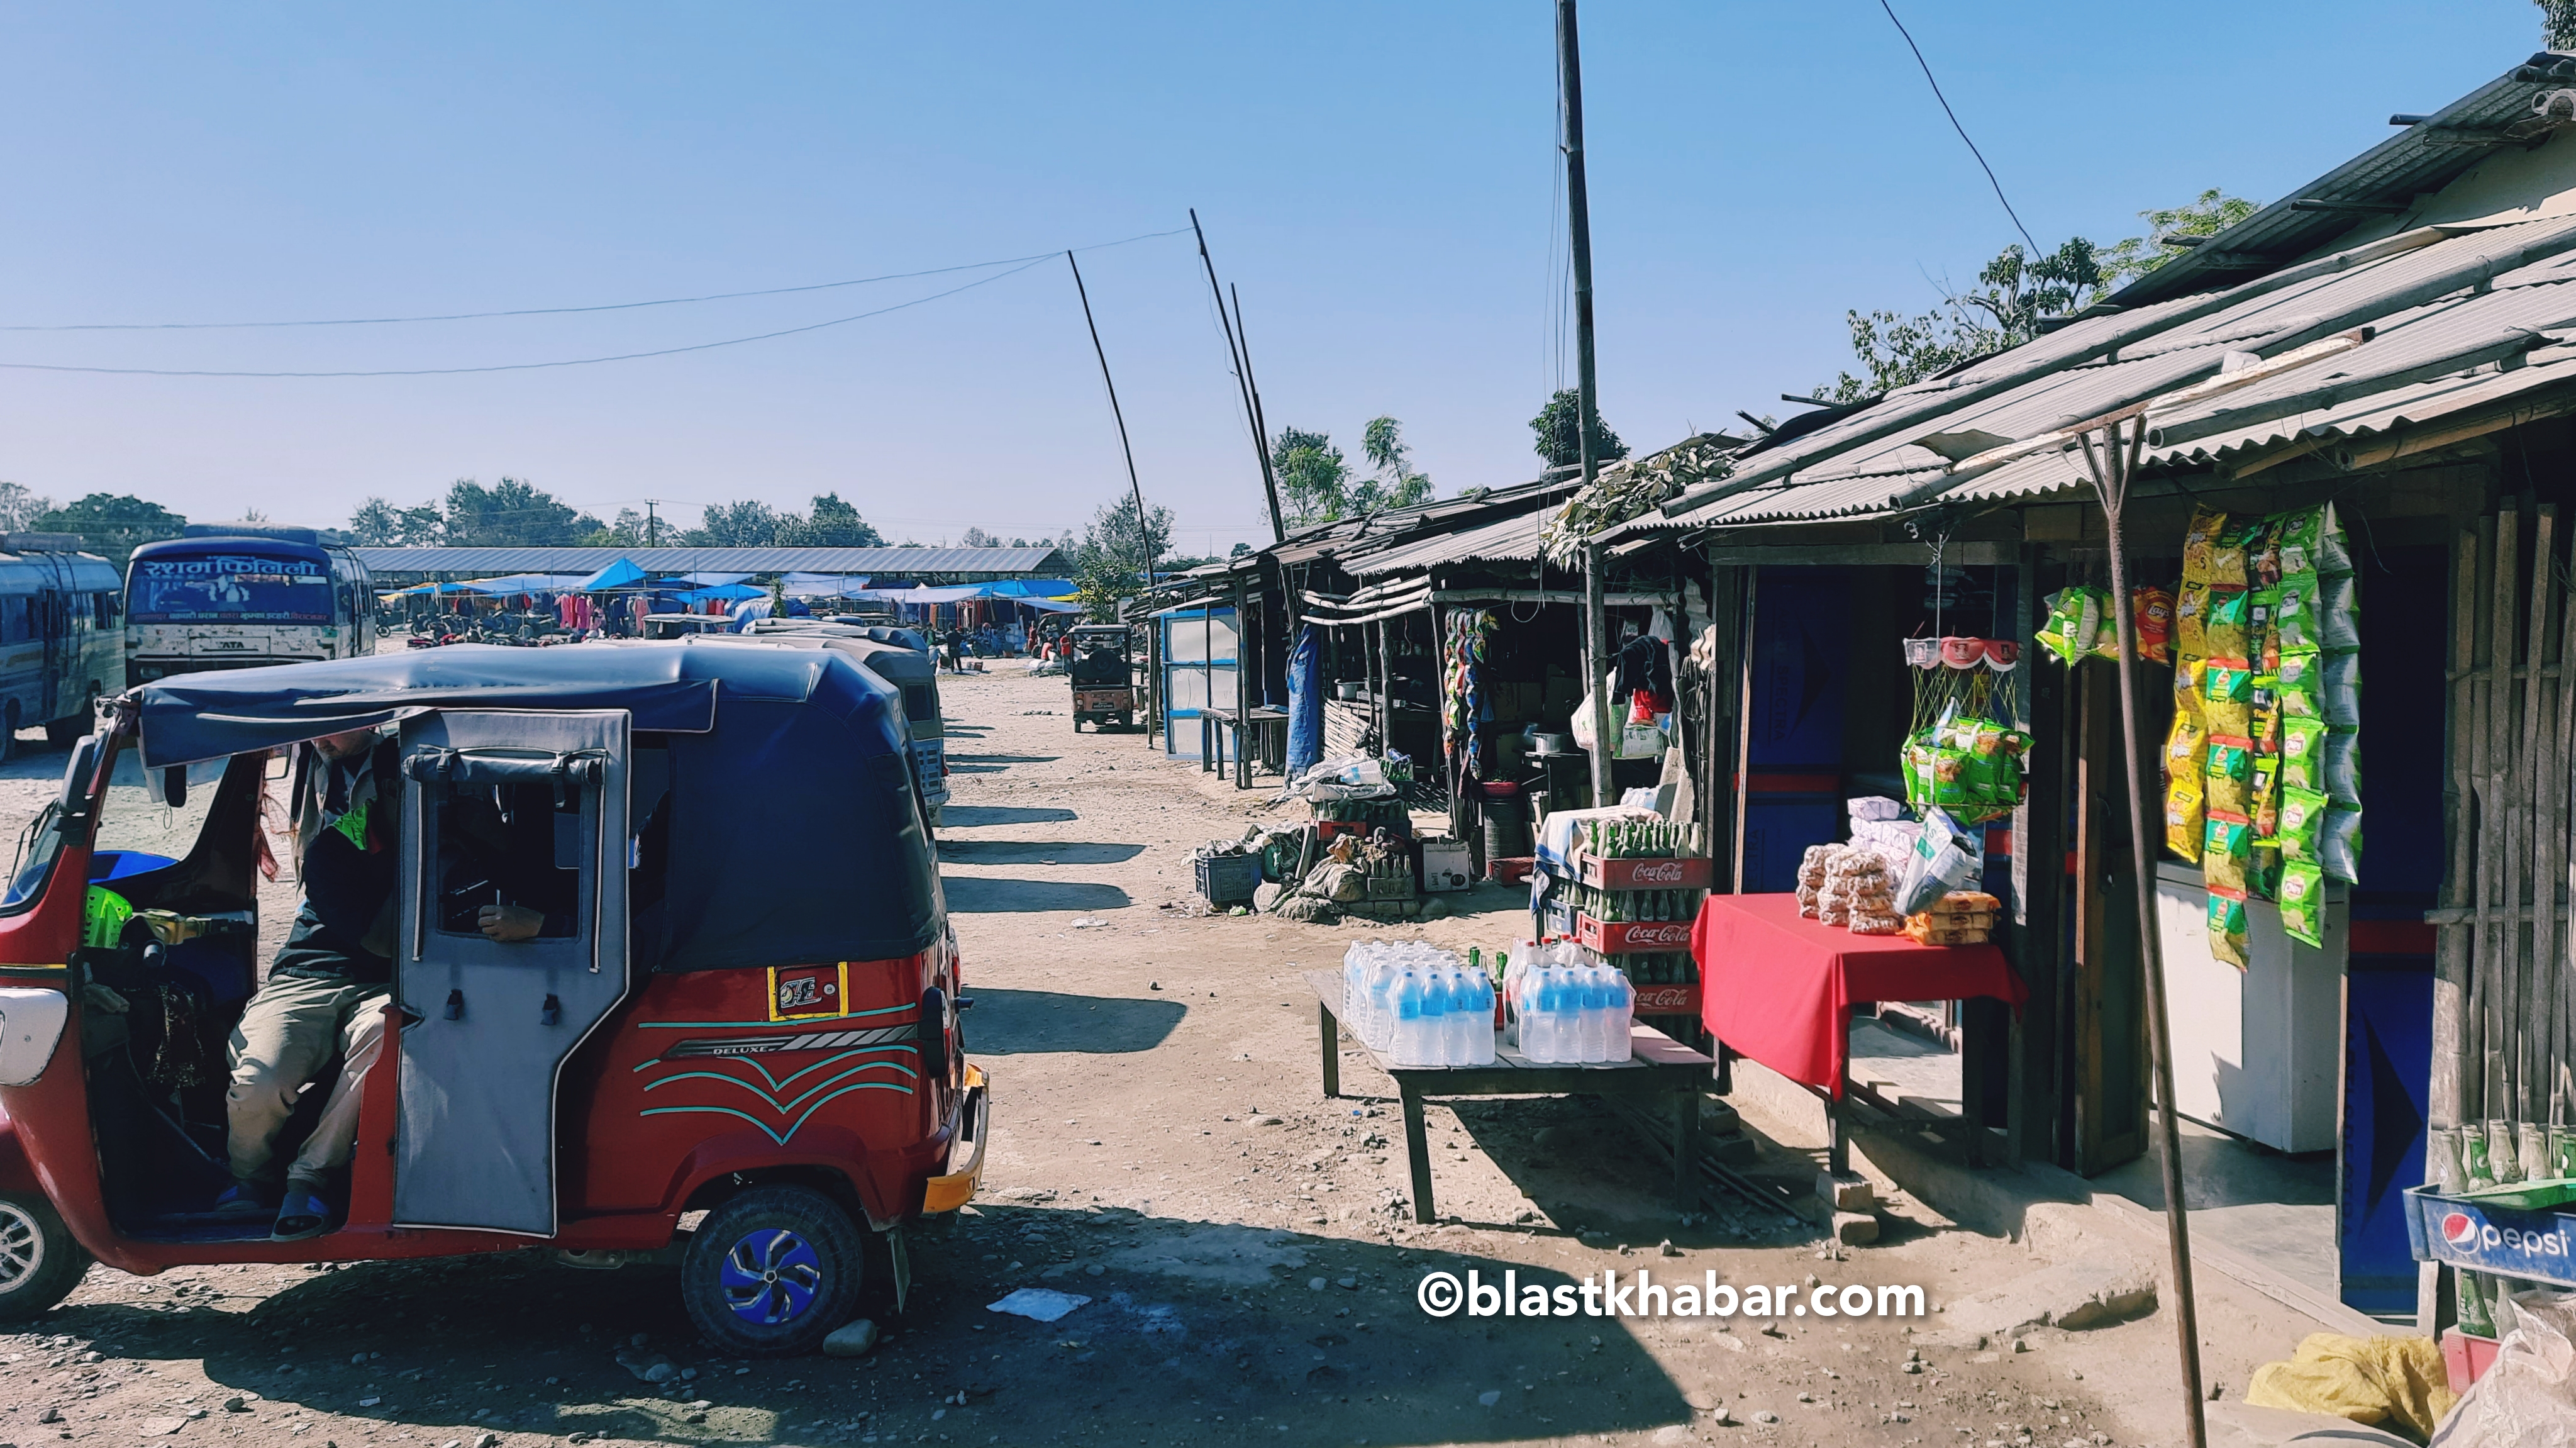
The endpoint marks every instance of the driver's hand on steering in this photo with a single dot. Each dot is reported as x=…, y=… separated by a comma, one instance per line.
x=510, y=922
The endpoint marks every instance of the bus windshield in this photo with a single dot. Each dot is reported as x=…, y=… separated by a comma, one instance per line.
x=232, y=585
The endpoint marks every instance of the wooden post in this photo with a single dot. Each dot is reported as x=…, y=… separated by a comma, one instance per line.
x=1242, y=691
x=1596, y=640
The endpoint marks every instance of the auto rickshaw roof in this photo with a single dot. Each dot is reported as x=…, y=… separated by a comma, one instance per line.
x=665, y=686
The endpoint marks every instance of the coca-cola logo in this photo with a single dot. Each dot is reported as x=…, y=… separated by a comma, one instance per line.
x=1658, y=872
x=1664, y=998
x=1663, y=933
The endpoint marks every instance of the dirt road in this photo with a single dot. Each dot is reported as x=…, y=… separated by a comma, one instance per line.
x=1161, y=1148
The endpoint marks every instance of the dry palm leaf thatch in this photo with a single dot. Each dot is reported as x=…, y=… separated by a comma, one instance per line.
x=1627, y=489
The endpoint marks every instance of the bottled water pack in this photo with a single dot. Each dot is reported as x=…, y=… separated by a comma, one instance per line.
x=1566, y=1010
x=1418, y=1005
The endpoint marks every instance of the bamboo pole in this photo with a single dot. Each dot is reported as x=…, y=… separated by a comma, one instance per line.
x=2553, y=879
x=2482, y=971
x=2532, y=854
x=2497, y=809
x=2111, y=474
x=2449, y=1099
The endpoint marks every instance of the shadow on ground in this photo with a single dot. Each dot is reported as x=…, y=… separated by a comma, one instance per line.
x=1193, y=1331
x=1037, y=852
x=1018, y=1022
x=977, y=895
x=976, y=816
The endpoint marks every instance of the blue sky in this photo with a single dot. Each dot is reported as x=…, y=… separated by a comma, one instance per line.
x=1378, y=179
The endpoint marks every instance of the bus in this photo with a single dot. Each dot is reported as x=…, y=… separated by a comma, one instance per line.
x=60, y=652
x=239, y=595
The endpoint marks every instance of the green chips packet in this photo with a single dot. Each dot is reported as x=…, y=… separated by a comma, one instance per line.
x=2303, y=823
x=2303, y=902
x=2298, y=682
x=2303, y=754
x=2227, y=846
x=2226, y=625
x=2227, y=771
x=2294, y=613
x=2227, y=928
x=2227, y=697
x=2342, y=690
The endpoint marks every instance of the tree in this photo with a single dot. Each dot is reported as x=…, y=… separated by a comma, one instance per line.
x=832, y=523
x=1397, y=484
x=626, y=532
x=1559, y=440
x=2013, y=292
x=746, y=524
x=1238, y=550
x=510, y=514
x=20, y=507
x=1019, y=542
x=2207, y=214
x=1313, y=476
x=2557, y=24
x=111, y=525
x=978, y=538
x=1109, y=562
x=375, y=524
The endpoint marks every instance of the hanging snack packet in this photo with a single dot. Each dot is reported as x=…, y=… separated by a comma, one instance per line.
x=2185, y=815
x=2303, y=902
x=2226, y=846
x=2263, y=871
x=2190, y=670
x=2227, y=556
x=1983, y=742
x=1951, y=788
x=2191, y=620
x=2263, y=552
x=2298, y=682
x=2183, y=747
x=2227, y=625
x=2227, y=929
x=2263, y=796
x=2303, y=823
x=2152, y=610
x=2074, y=617
x=2264, y=725
x=2338, y=612
x=2295, y=624
x=2008, y=770
x=2303, y=754
x=2199, y=543
x=2340, y=851
x=2227, y=698
x=2343, y=767
x=2334, y=553
x=2294, y=540
x=2343, y=690
x=2260, y=605
x=2227, y=773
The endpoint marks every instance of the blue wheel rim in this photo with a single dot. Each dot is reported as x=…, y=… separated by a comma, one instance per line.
x=771, y=1276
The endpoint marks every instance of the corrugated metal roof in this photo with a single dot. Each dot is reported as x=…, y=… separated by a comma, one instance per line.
x=2421, y=158
x=2435, y=352
x=905, y=562
x=1505, y=540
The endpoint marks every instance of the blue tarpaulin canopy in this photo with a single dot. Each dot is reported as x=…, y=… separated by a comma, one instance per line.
x=1032, y=588
x=512, y=583
x=726, y=591
x=621, y=574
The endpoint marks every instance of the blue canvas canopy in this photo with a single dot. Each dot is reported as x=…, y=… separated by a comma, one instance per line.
x=777, y=757
x=1031, y=588
x=729, y=592
x=621, y=574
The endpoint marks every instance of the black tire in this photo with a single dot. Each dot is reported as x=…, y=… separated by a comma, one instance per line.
x=40, y=1263
x=773, y=1271
x=9, y=734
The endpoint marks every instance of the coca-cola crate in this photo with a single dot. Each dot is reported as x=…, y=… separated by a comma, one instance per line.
x=1667, y=1000
x=1630, y=937
x=1692, y=872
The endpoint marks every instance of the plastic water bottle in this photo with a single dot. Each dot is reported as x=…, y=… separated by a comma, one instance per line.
x=1544, y=1019
x=1480, y=1035
x=1404, y=1043
x=1623, y=1016
x=1434, y=1050
x=1383, y=980
x=1601, y=1007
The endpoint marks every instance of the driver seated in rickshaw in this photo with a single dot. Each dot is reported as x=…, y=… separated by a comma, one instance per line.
x=329, y=984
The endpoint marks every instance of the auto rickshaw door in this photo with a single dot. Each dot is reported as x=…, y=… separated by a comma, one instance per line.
x=507, y=816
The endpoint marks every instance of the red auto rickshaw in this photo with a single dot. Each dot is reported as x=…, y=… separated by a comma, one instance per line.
x=753, y=1015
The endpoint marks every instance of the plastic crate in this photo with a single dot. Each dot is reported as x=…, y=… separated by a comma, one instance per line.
x=2535, y=1246
x=1624, y=937
x=1228, y=879
x=2466, y=1358
x=1687, y=872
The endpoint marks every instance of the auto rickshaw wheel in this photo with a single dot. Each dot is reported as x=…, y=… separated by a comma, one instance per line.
x=771, y=1272
x=40, y=1263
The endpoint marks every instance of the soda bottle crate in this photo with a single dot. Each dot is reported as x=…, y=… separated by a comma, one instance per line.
x=2534, y=1245
x=1624, y=937
x=1686, y=872
x=1667, y=1000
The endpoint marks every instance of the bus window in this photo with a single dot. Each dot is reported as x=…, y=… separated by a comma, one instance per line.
x=107, y=605
x=16, y=621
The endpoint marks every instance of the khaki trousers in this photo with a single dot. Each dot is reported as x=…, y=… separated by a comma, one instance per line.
x=287, y=1034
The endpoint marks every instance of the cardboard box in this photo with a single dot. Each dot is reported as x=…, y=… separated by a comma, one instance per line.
x=1447, y=865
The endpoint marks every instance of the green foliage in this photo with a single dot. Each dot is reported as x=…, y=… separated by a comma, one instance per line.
x=111, y=525
x=1313, y=476
x=1110, y=561
x=2013, y=293
x=750, y=523
x=19, y=507
x=2557, y=24
x=511, y=514
x=1397, y=484
x=2207, y=214
x=1559, y=435
x=379, y=524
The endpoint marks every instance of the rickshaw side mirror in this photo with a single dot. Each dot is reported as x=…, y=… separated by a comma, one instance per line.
x=76, y=777
x=166, y=786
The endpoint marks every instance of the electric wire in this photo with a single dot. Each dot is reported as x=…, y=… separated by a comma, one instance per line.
x=569, y=311
x=533, y=366
x=2035, y=249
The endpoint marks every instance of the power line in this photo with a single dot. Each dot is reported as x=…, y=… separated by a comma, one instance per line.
x=2035, y=250
x=566, y=311
x=532, y=366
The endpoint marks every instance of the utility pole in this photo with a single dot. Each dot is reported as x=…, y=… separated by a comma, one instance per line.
x=1144, y=525
x=1243, y=381
x=1596, y=629
x=652, y=526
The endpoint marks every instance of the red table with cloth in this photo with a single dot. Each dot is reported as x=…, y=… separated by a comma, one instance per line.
x=1779, y=988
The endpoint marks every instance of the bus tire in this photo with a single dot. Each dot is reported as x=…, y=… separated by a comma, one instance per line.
x=40, y=1263
x=771, y=1272
x=9, y=733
